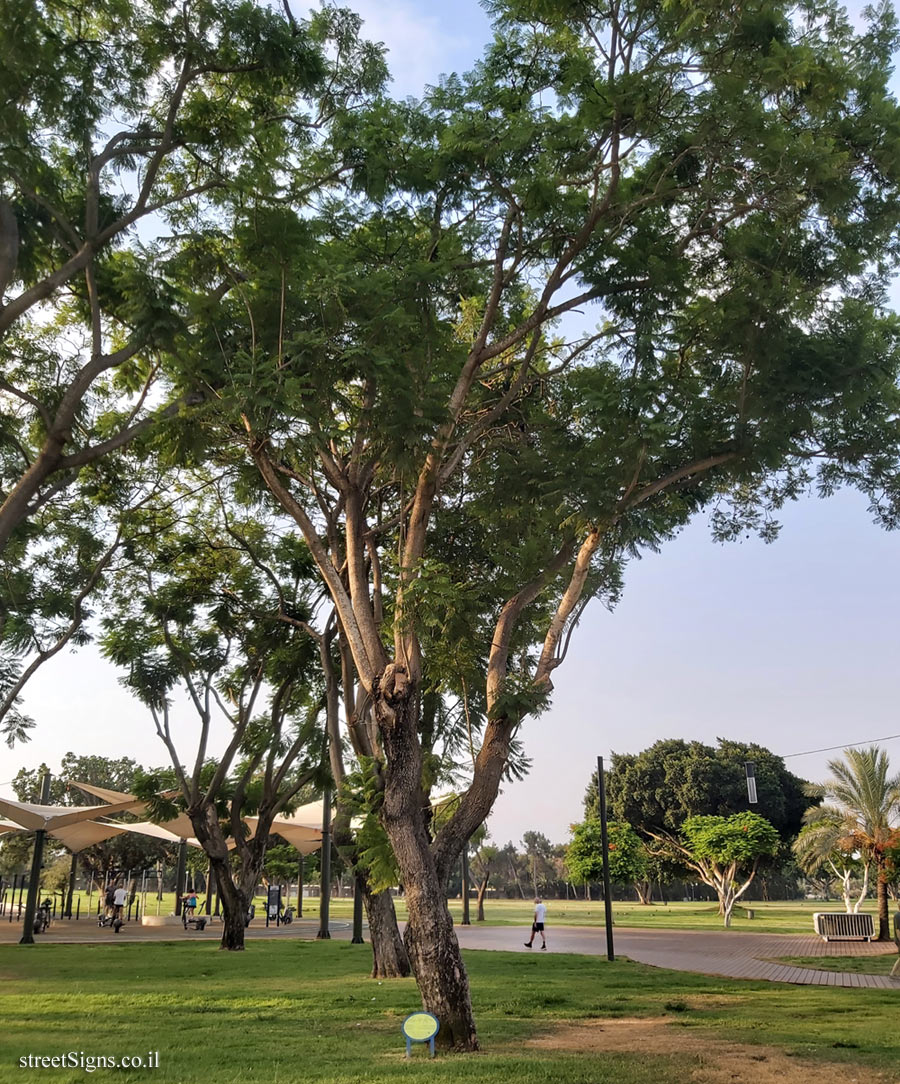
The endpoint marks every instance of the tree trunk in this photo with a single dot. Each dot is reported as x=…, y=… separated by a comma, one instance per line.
x=235, y=890
x=430, y=941
x=884, y=925
x=644, y=890
x=482, y=889
x=438, y=966
x=389, y=957
x=234, y=908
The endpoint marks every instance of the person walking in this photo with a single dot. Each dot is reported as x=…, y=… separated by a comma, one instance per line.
x=119, y=897
x=537, y=926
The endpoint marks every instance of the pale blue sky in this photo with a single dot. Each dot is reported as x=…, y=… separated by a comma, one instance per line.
x=792, y=645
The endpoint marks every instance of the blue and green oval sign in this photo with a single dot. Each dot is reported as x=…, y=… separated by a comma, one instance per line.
x=420, y=1027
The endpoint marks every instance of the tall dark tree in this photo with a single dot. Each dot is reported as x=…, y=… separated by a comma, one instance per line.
x=202, y=616
x=661, y=787
x=716, y=187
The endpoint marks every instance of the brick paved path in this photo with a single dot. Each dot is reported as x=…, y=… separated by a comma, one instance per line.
x=736, y=955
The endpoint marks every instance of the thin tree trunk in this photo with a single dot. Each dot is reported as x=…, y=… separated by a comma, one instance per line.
x=389, y=956
x=234, y=908
x=482, y=889
x=864, y=890
x=430, y=941
x=644, y=891
x=884, y=925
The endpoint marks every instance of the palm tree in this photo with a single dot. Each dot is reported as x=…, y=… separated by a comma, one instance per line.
x=869, y=798
x=826, y=841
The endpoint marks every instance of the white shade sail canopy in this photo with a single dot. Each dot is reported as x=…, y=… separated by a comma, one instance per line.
x=301, y=838
x=104, y=793
x=35, y=818
x=160, y=831
x=309, y=816
x=304, y=846
x=76, y=828
x=180, y=826
x=85, y=834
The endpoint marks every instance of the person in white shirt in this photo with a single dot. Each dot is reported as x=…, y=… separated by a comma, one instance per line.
x=537, y=926
x=121, y=895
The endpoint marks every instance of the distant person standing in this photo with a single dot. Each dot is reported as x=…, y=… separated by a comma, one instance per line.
x=537, y=926
x=119, y=898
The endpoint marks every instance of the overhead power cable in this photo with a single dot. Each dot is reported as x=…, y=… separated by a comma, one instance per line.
x=845, y=745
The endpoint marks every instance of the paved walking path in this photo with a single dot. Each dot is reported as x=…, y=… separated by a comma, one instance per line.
x=736, y=955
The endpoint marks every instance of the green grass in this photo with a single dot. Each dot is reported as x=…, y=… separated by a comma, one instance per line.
x=858, y=965
x=308, y=1011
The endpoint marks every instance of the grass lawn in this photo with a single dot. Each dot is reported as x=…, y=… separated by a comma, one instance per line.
x=859, y=965
x=302, y=1011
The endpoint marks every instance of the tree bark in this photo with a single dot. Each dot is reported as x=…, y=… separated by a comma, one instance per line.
x=482, y=890
x=884, y=925
x=235, y=893
x=430, y=941
x=389, y=956
x=234, y=908
x=438, y=966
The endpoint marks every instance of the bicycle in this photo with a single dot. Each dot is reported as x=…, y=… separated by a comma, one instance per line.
x=42, y=917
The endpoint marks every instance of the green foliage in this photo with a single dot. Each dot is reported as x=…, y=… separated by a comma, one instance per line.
x=628, y=859
x=659, y=788
x=869, y=800
x=739, y=840
x=281, y=863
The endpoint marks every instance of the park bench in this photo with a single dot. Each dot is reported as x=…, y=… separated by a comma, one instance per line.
x=837, y=926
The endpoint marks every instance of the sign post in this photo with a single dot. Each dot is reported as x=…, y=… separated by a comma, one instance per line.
x=273, y=905
x=324, y=933
x=357, y=938
x=464, y=878
x=604, y=846
x=37, y=861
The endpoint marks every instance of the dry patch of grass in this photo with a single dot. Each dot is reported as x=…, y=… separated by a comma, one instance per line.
x=717, y=1061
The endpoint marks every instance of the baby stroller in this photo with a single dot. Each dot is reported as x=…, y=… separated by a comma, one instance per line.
x=193, y=921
